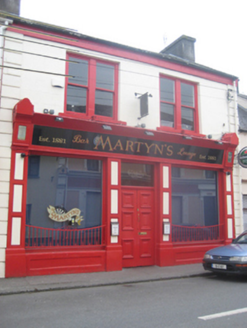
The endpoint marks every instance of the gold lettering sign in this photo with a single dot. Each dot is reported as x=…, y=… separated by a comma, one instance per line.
x=69, y=216
x=80, y=140
x=190, y=155
x=126, y=145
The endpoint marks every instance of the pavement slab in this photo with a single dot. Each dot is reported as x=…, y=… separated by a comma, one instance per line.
x=10, y=286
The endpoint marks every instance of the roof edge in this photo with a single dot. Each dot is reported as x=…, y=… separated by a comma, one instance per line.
x=58, y=29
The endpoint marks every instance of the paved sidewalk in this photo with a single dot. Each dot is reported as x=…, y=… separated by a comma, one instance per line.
x=85, y=280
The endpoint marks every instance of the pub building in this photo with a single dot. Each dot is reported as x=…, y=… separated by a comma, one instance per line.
x=117, y=176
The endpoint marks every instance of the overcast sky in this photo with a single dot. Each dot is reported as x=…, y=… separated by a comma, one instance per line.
x=219, y=26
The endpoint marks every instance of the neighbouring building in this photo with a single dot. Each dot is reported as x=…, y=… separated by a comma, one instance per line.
x=111, y=156
x=242, y=114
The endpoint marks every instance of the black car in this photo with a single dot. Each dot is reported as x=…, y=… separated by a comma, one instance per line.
x=228, y=259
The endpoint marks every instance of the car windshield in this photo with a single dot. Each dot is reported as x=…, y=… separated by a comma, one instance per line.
x=242, y=239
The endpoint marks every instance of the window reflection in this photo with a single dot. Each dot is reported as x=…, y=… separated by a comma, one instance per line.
x=76, y=99
x=187, y=117
x=194, y=197
x=103, y=103
x=187, y=95
x=105, y=76
x=167, y=90
x=167, y=115
x=65, y=183
x=133, y=174
x=78, y=71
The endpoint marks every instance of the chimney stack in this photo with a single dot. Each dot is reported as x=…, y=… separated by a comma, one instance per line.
x=10, y=6
x=183, y=47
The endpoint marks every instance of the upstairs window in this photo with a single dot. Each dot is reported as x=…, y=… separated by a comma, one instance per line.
x=92, y=88
x=178, y=105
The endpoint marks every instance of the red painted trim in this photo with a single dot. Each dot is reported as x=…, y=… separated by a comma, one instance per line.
x=22, y=214
x=196, y=112
x=108, y=201
x=229, y=141
x=177, y=114
x=10, y=205
x=230, y=216
x=120, y=52
x=21, y=263
x=111, y=187
x=221, y=203
x=114, y=257
x=165, y=252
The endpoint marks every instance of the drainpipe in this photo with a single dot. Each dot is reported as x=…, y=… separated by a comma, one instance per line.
x=2, y=41
x=3, y=28
x=238, y=168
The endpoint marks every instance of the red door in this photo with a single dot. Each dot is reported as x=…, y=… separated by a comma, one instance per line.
x=137, y=227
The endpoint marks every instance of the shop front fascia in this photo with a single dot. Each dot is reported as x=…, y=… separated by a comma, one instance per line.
x=87, y=196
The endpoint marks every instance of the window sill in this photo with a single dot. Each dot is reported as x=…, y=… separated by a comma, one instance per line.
x=83, y=117
x=180, y=132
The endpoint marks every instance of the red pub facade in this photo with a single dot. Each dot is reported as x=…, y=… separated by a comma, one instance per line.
x=114, y=178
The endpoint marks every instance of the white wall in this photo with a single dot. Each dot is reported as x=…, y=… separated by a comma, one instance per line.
x=10, y=95
x=133, y=77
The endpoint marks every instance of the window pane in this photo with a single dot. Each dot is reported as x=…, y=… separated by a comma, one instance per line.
x=105, y=76
x=76, y=99
x=133, y=174
x=187, y=95
x=33, y=166
x=176, y=172
x=92, y=165
x=167, y=115
x=187, y=117
x=103, y=103
x=210, y=174
x=65, y=184
x=167, y=91
x=78, y=70
x=196, y=197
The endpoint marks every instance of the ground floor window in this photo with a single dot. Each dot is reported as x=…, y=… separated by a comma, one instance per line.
x=64, y=201
x=194, y=205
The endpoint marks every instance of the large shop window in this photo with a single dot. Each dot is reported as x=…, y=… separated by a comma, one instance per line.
x=64, y=202
x=194, y=205
x=92, y=88
x=178, y=105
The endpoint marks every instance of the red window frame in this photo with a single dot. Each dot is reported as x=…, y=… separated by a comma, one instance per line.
x=177, y=103
x=91, y=89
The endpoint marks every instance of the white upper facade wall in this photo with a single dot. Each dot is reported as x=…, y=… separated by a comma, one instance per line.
x=50, y=57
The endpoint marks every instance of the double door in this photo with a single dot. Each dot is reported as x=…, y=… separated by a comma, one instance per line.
x=137, y=226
